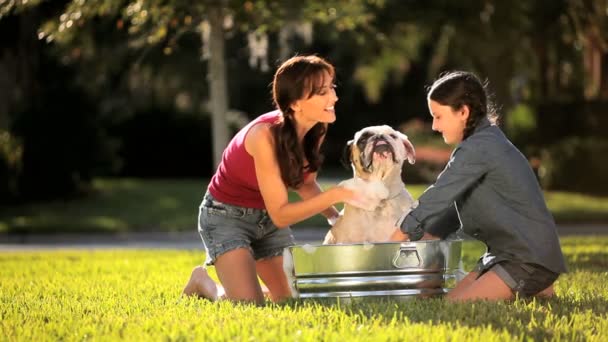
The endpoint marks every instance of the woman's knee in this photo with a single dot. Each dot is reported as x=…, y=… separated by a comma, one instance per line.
x=272, y=274
x=236, y=271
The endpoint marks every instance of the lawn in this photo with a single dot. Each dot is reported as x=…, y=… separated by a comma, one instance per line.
x=120, y=205
x=76, y=295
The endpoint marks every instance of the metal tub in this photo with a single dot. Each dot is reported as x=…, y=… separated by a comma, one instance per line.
x=421, y=268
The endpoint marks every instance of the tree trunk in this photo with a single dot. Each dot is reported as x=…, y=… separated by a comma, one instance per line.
x=217, y=83
x=592, y=62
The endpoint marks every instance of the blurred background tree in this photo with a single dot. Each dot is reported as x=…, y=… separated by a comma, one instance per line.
x=156, y=88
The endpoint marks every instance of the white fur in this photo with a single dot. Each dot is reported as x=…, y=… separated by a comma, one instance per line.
x=385, y=197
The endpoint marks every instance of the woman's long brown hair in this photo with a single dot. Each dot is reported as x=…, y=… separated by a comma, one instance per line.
x=297, y=78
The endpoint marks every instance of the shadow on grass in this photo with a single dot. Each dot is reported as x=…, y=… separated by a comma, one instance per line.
x=531, y=318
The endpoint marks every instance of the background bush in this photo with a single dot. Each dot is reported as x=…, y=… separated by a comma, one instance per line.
x=64, y=141
x=576, y=164
x=160, y=142
x=10, y=165
x=570, y=139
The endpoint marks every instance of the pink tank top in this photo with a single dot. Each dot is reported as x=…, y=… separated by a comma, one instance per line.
x=235, y=180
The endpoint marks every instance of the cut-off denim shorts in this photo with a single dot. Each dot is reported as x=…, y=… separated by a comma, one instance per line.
x=225, y=227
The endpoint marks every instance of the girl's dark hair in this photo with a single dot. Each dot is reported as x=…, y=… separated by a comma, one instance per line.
x=298, y=77
x=459, y=88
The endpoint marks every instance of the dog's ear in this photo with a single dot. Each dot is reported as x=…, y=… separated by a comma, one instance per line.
x=409, y=148
x=346, y=154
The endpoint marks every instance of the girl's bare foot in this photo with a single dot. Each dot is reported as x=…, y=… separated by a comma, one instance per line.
x=201, y=285
x=546, y=293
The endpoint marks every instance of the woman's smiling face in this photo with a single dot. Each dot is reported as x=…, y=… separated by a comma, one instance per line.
x=450, y=123
x=320, y=105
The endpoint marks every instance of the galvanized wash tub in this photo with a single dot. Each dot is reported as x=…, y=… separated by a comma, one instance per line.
x=421, y=268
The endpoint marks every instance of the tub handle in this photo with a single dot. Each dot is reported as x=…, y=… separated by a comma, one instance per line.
x=406, y=257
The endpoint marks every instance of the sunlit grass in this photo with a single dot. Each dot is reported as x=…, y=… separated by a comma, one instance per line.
x=120, y=205
x=134, y=295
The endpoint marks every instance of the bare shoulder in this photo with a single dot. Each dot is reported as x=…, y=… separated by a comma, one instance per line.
x=259, y=139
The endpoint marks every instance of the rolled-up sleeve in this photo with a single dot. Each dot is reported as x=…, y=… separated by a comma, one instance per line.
x=465, y=168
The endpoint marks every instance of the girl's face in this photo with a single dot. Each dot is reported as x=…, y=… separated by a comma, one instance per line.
x=450, y=123
x=320, y=106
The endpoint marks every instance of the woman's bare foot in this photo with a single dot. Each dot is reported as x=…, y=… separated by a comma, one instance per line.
x=201, y=285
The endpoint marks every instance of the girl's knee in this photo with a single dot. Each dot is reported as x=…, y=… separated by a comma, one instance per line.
x=487, y=287
x=549, y=292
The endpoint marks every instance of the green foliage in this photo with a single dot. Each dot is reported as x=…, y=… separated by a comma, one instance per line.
x=132, y=295
x=16, y=6
x=520, y=122
x=397, y=51
x=390, y=47
x=64, y=144
x=576, y=164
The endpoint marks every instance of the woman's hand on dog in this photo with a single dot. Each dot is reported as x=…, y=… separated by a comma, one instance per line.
x=357, y=198
x=344, y=194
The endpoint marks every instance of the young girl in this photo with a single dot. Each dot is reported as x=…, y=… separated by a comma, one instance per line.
x=245, y=215
x=491, y=186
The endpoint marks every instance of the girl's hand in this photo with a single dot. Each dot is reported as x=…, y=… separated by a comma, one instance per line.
x=428, y=236
x=398, y=235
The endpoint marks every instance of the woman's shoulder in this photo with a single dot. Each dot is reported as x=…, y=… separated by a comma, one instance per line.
x=260, y=130
x=259, y=138
x=270, y=117
x=261, y=126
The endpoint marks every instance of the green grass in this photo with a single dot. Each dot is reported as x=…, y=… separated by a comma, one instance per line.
x=574, y=207
x=120, y=205
x=133, y=295
x=117, y=205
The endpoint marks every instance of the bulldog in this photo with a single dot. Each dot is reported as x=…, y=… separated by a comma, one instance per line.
x=376, y=154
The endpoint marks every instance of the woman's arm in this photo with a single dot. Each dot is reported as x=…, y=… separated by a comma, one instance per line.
x=259, y=143
x=311, y=188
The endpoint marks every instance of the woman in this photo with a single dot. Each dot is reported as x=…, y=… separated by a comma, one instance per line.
x=495, y=194
x=245, y=215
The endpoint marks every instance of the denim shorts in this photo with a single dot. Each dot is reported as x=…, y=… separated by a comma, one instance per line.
x=524, y=279
x=224, y=227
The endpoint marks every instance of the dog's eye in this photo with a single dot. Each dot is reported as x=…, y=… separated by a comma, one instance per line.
x=362, y=141
x=365, y=136
x=393, y=135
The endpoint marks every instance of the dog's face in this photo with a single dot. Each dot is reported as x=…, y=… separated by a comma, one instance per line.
x=376, y=154
x=377, y=151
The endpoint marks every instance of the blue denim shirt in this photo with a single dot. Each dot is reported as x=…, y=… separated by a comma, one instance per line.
x=489, y=186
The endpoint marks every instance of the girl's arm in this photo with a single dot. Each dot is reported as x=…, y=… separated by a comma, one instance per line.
x=466, y=166
x=260, y=145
